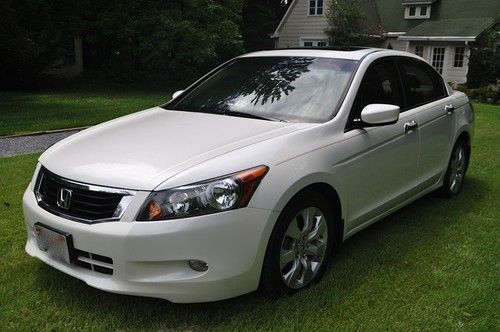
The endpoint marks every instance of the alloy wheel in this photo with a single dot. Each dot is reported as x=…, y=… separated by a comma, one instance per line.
x=457, y=169
x=303, y=247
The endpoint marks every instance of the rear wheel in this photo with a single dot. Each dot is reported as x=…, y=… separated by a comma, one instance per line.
x=300, y=245
x=455, y=174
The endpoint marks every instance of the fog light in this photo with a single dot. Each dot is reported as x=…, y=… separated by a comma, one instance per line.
x=197, y=265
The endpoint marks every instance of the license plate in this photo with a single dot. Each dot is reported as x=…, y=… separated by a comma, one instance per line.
x=52, y=241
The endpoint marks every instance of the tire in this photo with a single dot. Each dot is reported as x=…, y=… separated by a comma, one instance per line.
x=457, y=168
x=297, y=255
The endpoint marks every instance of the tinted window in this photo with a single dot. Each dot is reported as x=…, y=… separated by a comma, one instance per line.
x=421, y=83
x=380, y=85
x=296, y=89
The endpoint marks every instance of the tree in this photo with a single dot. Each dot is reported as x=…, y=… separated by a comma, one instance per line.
x=484, y=63
x=260, y=19
x=346, y=21
x=166, y=39
x=126, y=39
x=31, y=37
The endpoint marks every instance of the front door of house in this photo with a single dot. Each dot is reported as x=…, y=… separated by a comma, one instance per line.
x=438, y=60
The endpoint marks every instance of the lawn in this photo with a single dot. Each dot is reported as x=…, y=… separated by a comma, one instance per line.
x=22, y=112
x=434, y=265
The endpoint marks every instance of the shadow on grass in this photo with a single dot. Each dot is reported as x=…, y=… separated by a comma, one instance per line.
x=390, y=243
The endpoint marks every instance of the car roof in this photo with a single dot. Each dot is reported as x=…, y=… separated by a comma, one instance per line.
x=348, y=53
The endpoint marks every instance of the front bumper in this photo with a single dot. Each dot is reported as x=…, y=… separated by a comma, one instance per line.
x=151, y=258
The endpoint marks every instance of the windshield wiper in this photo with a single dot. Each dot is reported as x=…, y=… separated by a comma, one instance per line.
x=228, y=113
x=250, y=116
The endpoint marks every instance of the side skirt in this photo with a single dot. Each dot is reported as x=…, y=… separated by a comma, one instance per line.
x=395, y=208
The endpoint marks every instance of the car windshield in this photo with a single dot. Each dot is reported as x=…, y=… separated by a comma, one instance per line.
x=291, y=89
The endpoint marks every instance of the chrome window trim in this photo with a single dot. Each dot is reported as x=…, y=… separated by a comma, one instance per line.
x=128, y=196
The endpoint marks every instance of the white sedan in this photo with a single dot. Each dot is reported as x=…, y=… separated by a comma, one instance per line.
x=251, y=177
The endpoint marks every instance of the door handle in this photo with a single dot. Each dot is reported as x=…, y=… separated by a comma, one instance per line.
x=410, y=126
x=449, y=109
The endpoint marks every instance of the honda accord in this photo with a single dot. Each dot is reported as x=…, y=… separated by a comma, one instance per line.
x=251, y=177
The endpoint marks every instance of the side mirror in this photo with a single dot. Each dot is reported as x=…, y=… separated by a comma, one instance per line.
x=177, y=94
x=380, y=114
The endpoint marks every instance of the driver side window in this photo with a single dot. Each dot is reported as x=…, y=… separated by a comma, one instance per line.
x=380, y=85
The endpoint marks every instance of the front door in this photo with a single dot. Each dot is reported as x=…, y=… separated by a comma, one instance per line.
x=380, y=169
x=438, y=59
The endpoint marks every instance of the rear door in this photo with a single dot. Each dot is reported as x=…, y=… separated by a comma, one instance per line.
x=426, y=95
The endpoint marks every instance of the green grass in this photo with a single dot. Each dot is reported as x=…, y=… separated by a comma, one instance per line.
x=22, y=112
x=433, y=265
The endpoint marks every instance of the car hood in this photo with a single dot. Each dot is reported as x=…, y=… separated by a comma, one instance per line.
x=141, y=150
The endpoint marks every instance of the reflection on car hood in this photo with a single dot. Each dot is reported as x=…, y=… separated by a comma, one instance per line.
x=142, y=150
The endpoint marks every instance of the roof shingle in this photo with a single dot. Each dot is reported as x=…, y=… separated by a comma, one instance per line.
x=460, y=27
x=447, y=12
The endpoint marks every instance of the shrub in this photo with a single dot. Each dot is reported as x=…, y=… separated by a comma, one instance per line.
x=483, y=68
x=487, y=94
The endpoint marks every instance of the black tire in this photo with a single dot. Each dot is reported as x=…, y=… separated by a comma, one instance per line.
x=272, y=281
x=450, y=186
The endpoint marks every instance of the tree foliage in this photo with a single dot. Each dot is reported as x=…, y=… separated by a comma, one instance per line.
x=124, y=38
x=31, y=37
x=175, y=37
x=484, y=63
x=346, y=22
x=132, y=39
x=260, y=19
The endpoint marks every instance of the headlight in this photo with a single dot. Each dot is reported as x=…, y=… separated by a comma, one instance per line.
x=221, y=194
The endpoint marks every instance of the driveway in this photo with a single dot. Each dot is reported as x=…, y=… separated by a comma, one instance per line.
x=12, y=146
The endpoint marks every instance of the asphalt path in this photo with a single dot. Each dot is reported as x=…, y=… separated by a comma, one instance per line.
x=13, y=146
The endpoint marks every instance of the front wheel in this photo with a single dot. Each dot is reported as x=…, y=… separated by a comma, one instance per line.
x=455, y=174
x=300, y=245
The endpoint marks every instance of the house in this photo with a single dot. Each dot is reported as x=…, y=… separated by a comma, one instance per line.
x=440, y=31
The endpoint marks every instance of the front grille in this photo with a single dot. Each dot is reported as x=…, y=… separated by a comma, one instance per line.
x=94, y=262
x=83, y=203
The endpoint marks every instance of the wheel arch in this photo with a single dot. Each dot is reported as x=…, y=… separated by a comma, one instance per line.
x=331, y=195
x=466, y=136
x=327, y=191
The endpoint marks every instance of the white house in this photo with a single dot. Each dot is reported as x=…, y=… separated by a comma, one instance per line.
x=440, y=31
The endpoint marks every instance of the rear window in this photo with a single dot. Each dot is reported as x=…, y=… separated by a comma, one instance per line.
x=292, y=89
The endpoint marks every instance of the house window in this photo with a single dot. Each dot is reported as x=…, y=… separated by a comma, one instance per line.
x=459, y=57
x=315, y=7
x=417, y=12
x=314, y=42
x=419, y=50
x=438, y=59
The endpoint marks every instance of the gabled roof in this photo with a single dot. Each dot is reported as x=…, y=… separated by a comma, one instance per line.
x=276, y=33
x=463, y=29
x=392, y=19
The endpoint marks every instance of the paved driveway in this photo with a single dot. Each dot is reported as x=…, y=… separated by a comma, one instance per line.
x=12, y=146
